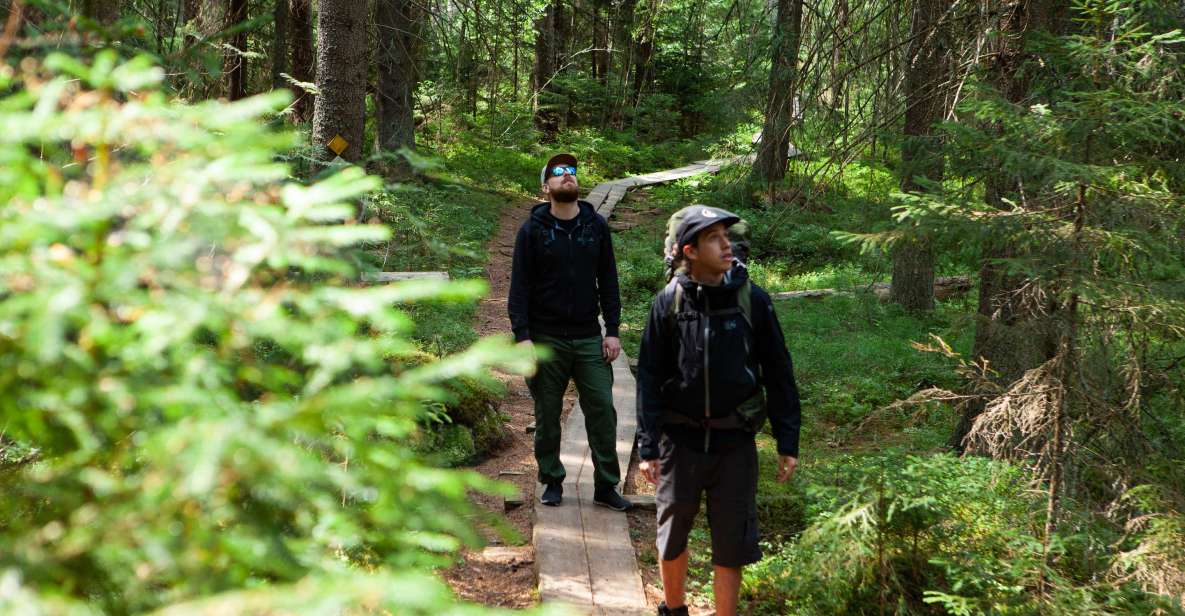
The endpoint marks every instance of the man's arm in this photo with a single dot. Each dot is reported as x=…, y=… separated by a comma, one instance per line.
x=785, y=412
x=607, y=286
x=520, y=288
x=654, y=362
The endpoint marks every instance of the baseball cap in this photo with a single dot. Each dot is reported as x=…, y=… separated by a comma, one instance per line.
x=558, y=159
x=699, y=218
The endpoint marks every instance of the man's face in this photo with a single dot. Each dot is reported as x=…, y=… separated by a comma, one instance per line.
x=712, y=251
x=563, y=188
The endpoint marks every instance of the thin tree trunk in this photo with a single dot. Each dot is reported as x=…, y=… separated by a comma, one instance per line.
x=280, y=44
x=773, y=154
x=399, y=25
x=236, y=62
x=190, y=13
x=342, y=61
x=517, y=43
x=927, y=73
x=303, y=61
x=643, y=51
x=624, y=48
x=105, y=12
x=833, y=95
x=546, y=118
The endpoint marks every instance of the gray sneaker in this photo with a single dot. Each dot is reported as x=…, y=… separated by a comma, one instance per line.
x=609, y=497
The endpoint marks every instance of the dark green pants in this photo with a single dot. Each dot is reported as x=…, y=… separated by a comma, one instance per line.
x=579, y=360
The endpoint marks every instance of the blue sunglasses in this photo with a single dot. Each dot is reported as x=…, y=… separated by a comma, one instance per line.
x=559, y=170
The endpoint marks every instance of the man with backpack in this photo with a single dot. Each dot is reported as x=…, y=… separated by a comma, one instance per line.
x=564, y=275
x=713, y=365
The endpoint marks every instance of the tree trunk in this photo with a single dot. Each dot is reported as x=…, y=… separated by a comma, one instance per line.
x=547, y=119
x=1014, y=331
x=190, y=15
x=105, y=12
x=399, y=41
x=927, y=75
x=342, y=62
x=280, y=44
x=235, y=62
x=600, y=54
x=623, y=24
x=779, y=113
x=643, y=51
x=833, y=95
x=300, y=15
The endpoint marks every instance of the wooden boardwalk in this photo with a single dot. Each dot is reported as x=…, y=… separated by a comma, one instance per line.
x=583, y=551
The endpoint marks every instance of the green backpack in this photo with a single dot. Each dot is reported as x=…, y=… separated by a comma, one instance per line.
x=750, y=415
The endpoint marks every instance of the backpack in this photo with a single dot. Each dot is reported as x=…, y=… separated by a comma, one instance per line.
x=750, y=415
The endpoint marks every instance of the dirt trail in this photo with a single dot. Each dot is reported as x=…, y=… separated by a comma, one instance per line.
x=504, y=575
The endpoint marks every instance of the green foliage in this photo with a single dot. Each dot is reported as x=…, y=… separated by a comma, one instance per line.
x=937, y=534
x=209, y=404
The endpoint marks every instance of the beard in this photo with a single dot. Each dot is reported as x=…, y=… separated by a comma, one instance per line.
x=565, y=194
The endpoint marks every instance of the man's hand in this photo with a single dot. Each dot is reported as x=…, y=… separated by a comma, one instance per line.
x=649, y=470
x=528, y=347
x=786, y=466
x=611, y=348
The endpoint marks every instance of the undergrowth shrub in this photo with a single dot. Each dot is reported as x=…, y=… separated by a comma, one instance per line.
x=933, y=535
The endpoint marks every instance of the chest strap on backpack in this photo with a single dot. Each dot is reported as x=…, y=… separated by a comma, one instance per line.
x=730, y=422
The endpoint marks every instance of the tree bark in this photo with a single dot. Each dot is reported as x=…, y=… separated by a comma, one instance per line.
x=770, y=165
x=300, y=15
x=280, y=44
x=342, y=62
x=927, y=76
x=399, y=25
x=235, y=62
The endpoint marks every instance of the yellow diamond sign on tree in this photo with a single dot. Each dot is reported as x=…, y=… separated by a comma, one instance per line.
x=338, y=144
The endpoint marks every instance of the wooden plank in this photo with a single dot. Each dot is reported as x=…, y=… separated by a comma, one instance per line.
x=560, y=554
x=398, y=276
x=616, y=583
x=645, y=502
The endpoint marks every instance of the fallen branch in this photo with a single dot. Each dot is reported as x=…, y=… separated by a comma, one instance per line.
x=944, y=287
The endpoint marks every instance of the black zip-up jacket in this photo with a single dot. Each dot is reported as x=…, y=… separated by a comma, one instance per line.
x=705, y=362
x=560, y=281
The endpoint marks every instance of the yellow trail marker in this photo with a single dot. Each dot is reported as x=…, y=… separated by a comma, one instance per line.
x=338, y=145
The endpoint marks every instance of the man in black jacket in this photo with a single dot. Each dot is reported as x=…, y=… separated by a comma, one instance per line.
x=563, y=271
x=713, y=362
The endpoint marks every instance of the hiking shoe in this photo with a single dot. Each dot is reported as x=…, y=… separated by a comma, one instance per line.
x=611, y=499
x=663, y=610
x=553, y=495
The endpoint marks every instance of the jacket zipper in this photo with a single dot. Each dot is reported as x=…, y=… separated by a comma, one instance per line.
x=571, y=259
x=707, y=368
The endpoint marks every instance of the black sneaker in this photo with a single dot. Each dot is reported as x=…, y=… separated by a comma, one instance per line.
x=663, y=610
x=553, y=495
x=611, y=499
